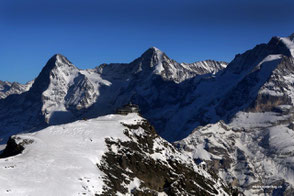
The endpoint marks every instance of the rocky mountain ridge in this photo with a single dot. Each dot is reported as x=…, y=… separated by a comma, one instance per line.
x=9, y=88
x=63, y=93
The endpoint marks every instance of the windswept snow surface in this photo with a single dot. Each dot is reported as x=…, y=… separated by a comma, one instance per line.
x=62, y=159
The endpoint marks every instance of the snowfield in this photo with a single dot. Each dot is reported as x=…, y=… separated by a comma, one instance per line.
x=62, y=159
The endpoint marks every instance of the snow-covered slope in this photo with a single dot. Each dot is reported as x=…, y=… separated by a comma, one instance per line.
x=109, y=155
x=8, y=88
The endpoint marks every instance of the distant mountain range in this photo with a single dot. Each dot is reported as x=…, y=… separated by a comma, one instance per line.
x=233, y=123
x=63, y=93
x=8, y=88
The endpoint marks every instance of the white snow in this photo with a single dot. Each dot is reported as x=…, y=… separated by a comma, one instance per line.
x=134, y=184
x=289, y=44
x=57, y=98
x=62, y=76
x=158, y=67
x=95, y=78
x=258, y=119
x=62, y=159
x=201, y=153
x=269, y=59
x=203, y=67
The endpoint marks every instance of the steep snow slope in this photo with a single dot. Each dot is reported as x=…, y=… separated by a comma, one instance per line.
x=101, y=156
x=8, y=88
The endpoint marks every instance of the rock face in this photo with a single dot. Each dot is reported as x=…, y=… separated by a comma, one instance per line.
x=155, y=165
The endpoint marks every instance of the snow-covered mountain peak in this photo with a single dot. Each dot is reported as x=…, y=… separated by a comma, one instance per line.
x=154, y=56
x=57, y=60
x=52, y=85
x=152, y=50
x=155, y=48
x=62, y=60
x=57, y=66
x=153, y=62
x=160, y=64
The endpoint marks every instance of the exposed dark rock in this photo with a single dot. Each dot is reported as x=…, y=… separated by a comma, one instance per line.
x=266, y=102
x=133, y=160
x=14, y=148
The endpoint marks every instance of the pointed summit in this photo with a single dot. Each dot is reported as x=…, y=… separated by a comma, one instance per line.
x=58, y=63
x=155, y=49
x=150, y=52
x=57, y=60
x=149, y=60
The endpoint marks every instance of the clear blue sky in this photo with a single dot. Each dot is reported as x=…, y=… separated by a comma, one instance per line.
x=91, y=32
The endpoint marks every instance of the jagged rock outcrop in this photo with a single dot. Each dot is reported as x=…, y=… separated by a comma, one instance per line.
x=155, y=164
x=14, y=146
